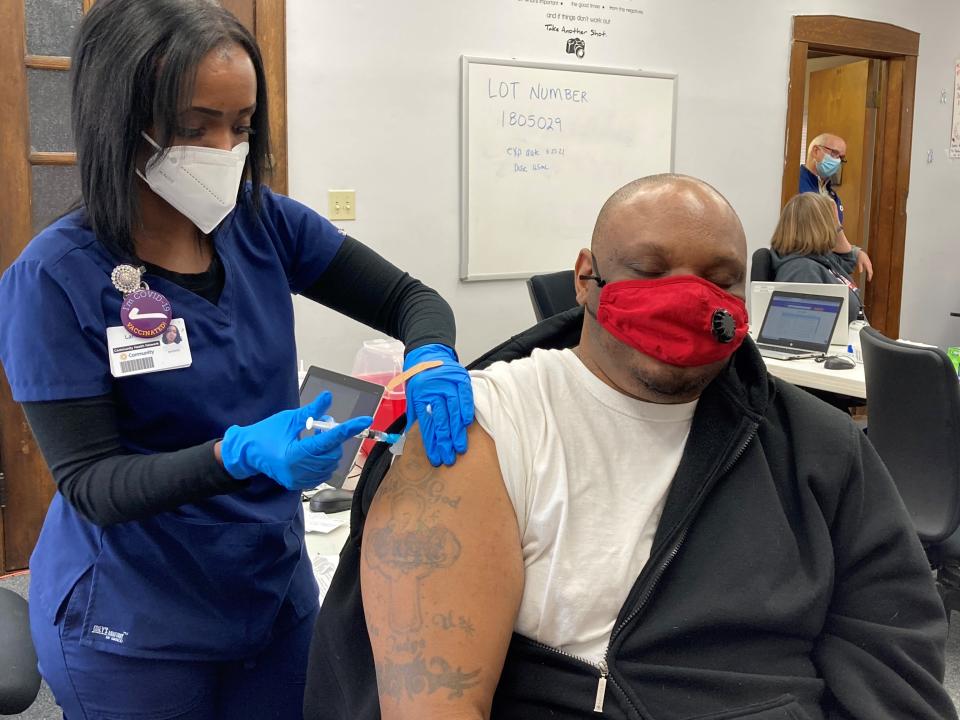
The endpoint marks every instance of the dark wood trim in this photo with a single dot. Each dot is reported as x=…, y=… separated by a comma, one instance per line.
x=883, y=296
x=875, y=198
x=15, y=222
x=47, y=62
x=3, y=555
x=29, y=487
x=794, y=132
x=882, y=245
x=53, y=158
x=271, y=25
x=243, y=10
x=868, y=138
x=895, y=291
x=855, y=36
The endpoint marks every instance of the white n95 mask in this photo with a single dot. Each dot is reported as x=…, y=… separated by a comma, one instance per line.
x=201, y=183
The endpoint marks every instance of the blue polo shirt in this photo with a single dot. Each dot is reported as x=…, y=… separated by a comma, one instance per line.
x=810, y=182
x=205, y=581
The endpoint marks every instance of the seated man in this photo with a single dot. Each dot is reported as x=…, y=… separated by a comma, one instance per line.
x=646, y=525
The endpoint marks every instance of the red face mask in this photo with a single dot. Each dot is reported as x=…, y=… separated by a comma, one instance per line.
x=682, y=320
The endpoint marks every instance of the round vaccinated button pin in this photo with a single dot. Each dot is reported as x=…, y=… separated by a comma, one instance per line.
x=145, y=313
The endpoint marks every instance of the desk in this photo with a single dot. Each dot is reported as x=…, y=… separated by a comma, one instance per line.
x=323, y=549
x=811, y=374
x=332, y=542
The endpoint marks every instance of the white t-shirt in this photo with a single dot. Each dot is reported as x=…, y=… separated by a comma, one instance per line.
x=587, y=469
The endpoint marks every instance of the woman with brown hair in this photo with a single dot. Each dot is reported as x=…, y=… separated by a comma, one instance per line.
x=805, y=247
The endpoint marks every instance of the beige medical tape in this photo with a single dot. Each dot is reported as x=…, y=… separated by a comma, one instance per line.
x=407, y=374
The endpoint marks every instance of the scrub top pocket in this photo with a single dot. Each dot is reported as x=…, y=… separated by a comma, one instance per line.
x=174, y=588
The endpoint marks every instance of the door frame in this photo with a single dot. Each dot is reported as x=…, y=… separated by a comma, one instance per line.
x=271, y=33
x=899, y=47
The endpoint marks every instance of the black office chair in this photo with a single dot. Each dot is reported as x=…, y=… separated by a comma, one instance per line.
x=19, y=678
x=552, y=293
x=913, y=405
x=761, y=266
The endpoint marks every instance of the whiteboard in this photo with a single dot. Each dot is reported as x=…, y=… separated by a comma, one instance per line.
x=542, y=147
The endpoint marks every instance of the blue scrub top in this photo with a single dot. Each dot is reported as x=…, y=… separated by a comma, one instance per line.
x=810, y=182
x=205, y=581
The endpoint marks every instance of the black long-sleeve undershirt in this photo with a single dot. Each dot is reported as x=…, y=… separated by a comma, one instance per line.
x=390, y=300
x=80, y=438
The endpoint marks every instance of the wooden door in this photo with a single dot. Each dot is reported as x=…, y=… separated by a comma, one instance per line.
x=266, y=19
x=837, y=104
x=39, y=182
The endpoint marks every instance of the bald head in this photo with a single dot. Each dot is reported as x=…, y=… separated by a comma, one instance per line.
x=827, y=140
x=657, y=227
x=823, y=145
x=670, y=197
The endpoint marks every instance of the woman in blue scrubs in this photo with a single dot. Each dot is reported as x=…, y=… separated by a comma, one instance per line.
x=170, y=579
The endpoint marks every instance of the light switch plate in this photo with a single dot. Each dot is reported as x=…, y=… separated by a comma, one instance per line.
x=343, y=204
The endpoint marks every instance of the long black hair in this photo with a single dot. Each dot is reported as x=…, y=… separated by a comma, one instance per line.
x=134, y=65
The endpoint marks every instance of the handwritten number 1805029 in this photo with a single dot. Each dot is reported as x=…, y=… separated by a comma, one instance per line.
x=538, y=122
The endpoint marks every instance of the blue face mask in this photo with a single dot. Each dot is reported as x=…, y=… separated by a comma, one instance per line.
x=828, y=165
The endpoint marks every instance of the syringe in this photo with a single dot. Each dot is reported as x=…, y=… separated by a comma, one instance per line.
x=368, y=434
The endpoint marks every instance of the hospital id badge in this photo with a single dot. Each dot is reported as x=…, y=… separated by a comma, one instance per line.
x=132, y=355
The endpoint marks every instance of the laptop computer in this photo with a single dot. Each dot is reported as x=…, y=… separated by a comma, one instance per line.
x=798, y=325
x=761, y=290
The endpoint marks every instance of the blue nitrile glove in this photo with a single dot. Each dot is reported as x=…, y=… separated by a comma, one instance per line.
x=441, y=399
x=273, y=447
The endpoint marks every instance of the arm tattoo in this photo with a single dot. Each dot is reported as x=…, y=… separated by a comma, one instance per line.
x=411, y=546
x=446, y=622
x=405, y=552
x=418, y=676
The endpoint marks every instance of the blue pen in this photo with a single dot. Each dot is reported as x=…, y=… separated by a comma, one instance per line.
x=368, y=434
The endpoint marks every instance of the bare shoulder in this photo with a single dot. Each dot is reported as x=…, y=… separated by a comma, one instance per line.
x=441, y=577
x=412, y=470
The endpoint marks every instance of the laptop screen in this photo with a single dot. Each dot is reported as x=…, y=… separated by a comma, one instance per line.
x=351, y=397
x=801, y=321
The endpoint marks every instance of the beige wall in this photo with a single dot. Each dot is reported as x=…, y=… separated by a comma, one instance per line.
x=374, y=105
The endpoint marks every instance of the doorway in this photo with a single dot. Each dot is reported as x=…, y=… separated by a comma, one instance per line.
x=841, y=99
x=855, y=79
x=40, y=181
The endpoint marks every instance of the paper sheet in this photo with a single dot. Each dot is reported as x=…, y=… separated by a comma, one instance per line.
x=320, y=522
x=324, y=566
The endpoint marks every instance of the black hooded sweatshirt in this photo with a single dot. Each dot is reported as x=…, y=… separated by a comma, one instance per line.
x=785, y=581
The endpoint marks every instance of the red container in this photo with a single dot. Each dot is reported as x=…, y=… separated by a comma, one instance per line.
x=393, y=405
x=379, y=361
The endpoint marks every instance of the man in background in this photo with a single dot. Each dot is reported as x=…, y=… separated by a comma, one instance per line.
x=825, y=154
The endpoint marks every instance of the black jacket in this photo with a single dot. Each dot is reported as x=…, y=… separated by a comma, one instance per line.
x=785, y=581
